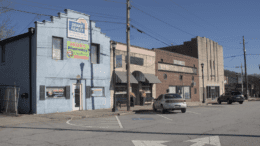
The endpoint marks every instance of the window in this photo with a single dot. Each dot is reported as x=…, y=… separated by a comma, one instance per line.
x=195, y=90
x=194, y=65
x=161, y=60
x=57, y=48
x=170, y=96
x=118, y=61
x=135, y=60
x=160, y=97
x=165, y=76
x=55, y=92
x=210, y=64
x=3, y=54
x=95, y=58
x=98, y=91
x=180, y=77
x=214, y=64
x=192, y=78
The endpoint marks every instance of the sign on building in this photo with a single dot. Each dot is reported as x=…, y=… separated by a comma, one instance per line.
x=179, y=62
x=77, y=50
x=78, y=29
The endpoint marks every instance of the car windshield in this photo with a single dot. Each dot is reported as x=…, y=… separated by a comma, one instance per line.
x=172, y=96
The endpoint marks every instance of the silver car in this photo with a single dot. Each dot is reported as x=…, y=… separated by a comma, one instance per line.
x=170, y=102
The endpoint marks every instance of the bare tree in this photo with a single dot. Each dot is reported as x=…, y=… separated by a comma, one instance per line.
x=6, y=30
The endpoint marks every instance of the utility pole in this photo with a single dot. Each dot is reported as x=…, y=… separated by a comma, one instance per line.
x=245, y=68
x=128, y=51
x=242, y=79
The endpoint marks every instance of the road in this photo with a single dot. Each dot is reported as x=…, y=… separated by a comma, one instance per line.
x=219, y=125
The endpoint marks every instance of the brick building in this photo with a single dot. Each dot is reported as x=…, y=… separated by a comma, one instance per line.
x=178, y=74
x=209, y=53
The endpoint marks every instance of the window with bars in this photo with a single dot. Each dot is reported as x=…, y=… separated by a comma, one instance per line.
x=57, y=48
x=95, y=51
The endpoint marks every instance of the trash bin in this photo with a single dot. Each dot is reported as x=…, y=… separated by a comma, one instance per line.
x=132, y=102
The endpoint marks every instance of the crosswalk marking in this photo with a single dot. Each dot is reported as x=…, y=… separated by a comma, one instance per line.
x=112, y=122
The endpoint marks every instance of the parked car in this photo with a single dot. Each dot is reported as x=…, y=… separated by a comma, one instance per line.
x=170, y=102
x=230, y=97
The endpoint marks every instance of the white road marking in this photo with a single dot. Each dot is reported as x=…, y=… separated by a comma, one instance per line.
x=212, y=140
x=193, y=112
x=164, y=117
x=148, y=143
x=110, y=126
x=119, y=123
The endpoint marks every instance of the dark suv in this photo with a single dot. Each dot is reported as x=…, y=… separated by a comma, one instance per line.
x=230, y=97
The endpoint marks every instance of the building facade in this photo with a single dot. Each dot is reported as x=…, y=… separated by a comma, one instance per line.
x=178, y=74
x=142, y=70
x=62, y=64
x=209, y=53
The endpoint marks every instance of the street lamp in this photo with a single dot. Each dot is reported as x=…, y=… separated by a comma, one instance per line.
x=202, y=65
x=114, y=77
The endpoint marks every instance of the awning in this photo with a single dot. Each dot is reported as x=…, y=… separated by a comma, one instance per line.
x=122, y=77
x=152, y=78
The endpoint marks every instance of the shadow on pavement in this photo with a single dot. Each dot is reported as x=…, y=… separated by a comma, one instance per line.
x=135, y=132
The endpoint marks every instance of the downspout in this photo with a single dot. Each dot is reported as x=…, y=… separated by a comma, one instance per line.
x=30, y=31
x=92, y=84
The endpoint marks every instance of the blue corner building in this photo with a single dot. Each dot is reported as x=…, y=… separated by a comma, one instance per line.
x=60, y=65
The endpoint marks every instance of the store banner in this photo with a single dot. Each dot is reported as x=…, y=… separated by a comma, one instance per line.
x=78, y=29
x=77, y=50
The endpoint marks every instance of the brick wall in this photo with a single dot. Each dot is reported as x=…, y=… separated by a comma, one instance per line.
x=173, y=77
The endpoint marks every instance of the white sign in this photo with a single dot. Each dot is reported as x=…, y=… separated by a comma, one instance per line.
x=148, y=143
x=78, y=29
x=212, y=140
x=179, y=62
x=176, y=68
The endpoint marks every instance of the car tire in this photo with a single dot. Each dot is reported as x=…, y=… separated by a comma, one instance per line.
x=229, y=102
x=240, y=102
x=219, y=102
x=154, y=109
x=163, y=110
x=183, y=110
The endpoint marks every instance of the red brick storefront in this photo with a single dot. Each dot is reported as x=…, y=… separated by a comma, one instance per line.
x=176, y=72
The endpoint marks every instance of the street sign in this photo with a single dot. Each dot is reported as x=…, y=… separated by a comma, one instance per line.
x=148, y=143
x=212, y=140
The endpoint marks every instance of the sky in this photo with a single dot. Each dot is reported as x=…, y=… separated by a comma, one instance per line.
x=164, y=23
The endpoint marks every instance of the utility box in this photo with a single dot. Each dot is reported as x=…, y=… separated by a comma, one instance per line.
x=24, y=95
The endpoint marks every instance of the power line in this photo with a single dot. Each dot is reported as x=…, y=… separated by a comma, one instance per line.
x=162, y=21
x=82, y=11
x=191, y=13
x=148, y=34
x=152, y=31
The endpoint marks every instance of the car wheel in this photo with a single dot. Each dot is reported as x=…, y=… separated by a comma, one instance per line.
x=219, y=102
x=183, y=110
x=163, y=110
x=230, y=102
x=240, y=102
x=154, y=109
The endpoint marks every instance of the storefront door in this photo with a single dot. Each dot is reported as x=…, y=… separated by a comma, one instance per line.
x=76, y=91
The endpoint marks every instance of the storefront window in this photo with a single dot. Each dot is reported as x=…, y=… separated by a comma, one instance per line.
x=55, y=92
x=97, y=91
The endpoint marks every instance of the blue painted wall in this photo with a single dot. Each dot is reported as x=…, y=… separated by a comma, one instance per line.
x=50, y=72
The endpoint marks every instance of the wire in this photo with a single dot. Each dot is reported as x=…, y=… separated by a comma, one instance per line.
x=148, y=34
x=152, y=31
x=162, y=21
x=191, y=13
x=82, y=11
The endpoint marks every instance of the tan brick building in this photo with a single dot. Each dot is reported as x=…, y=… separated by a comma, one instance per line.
x=142, y=69
x=178, y=74
x=209, y=53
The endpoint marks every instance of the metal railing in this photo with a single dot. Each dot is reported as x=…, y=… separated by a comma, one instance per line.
x=9, y=96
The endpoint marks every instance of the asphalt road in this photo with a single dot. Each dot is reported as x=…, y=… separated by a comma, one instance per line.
x=219, y=125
